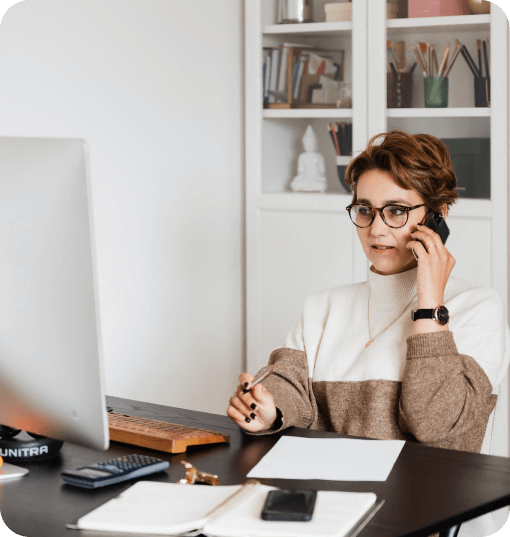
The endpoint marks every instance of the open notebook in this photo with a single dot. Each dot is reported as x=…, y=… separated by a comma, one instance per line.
x=228, y=511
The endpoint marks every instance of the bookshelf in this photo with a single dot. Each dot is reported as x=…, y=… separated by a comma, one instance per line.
x=300, y=243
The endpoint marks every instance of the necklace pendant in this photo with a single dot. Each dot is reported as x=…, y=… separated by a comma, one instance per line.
x=369, y=343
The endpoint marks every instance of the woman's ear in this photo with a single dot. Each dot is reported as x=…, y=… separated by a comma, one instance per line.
x=444, y=210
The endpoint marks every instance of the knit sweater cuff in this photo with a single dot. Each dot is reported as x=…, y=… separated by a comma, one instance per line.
x=431, y=344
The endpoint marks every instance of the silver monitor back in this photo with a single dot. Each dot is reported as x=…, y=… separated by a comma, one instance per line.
x=51, y=378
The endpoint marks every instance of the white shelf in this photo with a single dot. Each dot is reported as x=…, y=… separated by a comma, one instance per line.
x=430, y=24
x=438, y=112
x=310, y=29
x=439, y=24
x=308, y=113
x=346, y=113
x=335, y=202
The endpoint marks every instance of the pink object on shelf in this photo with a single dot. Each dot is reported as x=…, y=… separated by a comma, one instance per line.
x=437, y=8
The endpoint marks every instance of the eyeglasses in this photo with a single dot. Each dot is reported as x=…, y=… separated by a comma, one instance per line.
x=394, y=216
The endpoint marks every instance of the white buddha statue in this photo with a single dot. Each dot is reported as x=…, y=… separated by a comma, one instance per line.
x=311, y=167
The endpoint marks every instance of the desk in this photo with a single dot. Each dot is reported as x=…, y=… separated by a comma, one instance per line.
x=428, y=490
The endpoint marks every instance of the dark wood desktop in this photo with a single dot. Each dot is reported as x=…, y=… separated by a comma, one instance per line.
x=428, y=490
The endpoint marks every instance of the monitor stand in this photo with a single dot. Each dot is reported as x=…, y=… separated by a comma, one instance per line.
x=19, y=446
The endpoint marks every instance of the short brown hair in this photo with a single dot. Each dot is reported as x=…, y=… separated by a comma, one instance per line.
x=418, y=161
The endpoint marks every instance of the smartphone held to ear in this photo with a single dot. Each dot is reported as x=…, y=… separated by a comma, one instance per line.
x=293, y=505
x=436, y=223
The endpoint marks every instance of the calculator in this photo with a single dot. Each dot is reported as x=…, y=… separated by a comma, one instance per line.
x=114, y=471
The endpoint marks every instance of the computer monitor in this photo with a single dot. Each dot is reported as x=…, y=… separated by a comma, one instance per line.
x=51, y=378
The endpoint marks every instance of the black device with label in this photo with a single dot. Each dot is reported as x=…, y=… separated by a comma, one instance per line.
x=295, y=505
x=114, y=471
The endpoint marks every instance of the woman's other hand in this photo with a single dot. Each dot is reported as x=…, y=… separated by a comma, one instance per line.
x=253, y=410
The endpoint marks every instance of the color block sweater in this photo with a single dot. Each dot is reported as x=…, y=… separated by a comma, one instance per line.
x=438, y=388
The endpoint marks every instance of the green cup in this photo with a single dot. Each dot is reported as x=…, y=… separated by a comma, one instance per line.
x=436, y=92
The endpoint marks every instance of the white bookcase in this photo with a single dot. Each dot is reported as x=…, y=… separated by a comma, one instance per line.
x=300, y=243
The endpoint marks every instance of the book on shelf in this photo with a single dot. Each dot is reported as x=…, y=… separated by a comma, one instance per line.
x=341, y=136
x=265, y=76
x=282, y=79
x=286, y=47
x=278, y=75
x=274, y=74
x=297, y=79
x=301, y=76
x=155, y=508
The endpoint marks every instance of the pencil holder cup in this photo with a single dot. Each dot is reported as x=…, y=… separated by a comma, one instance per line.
x=399, y=90
x=341, y=163
x=436, y=92
x=482, y=92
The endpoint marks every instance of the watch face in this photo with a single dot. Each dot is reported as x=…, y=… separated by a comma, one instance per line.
x=442, y=315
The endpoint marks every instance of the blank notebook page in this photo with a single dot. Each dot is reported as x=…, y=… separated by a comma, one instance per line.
x=335, y=514
x=152, y=507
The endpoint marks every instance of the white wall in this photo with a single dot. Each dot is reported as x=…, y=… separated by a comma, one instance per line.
x=155, y=87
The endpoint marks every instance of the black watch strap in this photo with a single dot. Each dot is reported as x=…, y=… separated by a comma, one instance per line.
x=422, y=314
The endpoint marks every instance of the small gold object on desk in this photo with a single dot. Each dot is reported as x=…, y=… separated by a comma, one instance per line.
x=194, y=475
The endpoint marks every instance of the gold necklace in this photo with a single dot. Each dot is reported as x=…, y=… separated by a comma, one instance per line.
x=368, y=311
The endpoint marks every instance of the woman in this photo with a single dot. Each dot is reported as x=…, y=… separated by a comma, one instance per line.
x=357, y=363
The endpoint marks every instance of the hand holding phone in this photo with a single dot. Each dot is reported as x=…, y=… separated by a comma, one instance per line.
x=435, y=269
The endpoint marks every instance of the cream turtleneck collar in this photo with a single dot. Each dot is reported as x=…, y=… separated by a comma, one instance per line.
x=393, y=288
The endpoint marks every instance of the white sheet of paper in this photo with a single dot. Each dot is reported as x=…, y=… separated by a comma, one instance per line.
x=334, y=459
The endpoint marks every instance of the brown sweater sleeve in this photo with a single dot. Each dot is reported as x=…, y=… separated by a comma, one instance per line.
x=446, y=397
x=290, y=387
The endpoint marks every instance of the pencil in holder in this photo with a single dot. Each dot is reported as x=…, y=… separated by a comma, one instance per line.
x=436, y=92
x=399, y=89
x=482, y=91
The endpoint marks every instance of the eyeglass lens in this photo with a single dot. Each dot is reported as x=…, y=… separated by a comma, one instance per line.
x=393, y=215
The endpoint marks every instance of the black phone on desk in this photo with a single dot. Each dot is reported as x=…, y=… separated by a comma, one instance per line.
x=293, y=505
x=437, y=223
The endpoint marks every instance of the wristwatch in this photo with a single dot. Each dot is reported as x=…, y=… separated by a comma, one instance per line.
x=440, y=314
